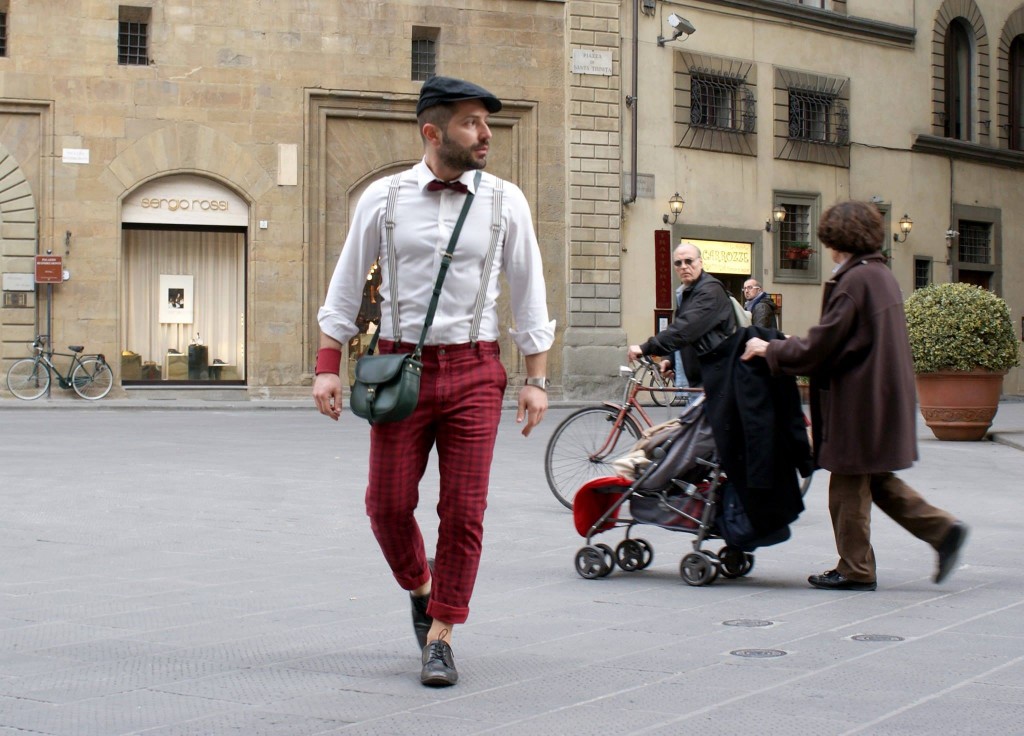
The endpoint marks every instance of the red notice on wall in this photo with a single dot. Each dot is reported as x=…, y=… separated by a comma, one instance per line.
x=49, y=269
x=662, y=269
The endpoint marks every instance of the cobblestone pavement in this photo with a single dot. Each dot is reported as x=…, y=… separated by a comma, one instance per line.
x=168, y=572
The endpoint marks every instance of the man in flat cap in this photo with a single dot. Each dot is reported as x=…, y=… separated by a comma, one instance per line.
x=463, y=380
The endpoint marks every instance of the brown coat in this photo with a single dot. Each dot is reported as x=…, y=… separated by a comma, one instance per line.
x=863, y=399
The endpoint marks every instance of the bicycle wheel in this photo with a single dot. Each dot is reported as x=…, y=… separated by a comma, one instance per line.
x=92, y=379
x=660, y=388
x=28, y=378
x=582, y=448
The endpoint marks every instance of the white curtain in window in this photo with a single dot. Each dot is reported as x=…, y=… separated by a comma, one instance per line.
x=216, y=262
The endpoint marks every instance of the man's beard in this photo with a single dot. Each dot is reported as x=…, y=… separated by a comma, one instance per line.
x=458, y=157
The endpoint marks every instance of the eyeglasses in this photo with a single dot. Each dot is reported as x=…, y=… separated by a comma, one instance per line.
x=748, y=288
x=688, y=261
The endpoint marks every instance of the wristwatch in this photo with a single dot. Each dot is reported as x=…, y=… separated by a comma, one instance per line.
x=540, y=382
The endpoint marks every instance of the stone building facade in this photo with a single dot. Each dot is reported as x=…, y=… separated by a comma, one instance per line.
x=916, y=106
x=196, y=179
x=193, y=166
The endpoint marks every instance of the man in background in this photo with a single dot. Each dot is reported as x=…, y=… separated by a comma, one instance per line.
x=760, y=305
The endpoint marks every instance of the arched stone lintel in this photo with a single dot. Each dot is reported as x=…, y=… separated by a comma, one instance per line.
x=189, y=149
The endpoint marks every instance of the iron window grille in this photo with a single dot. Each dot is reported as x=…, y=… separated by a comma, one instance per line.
x=424, y=58
x=3, y=34
x=922, y=272
x=132, y=43
x=975, y=242
x=721, y=103
x=817, y=117
x=795, y=249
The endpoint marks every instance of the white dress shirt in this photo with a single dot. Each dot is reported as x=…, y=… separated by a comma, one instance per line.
x=424, y=221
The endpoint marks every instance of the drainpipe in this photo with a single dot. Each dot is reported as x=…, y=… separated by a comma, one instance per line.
x=631, y=103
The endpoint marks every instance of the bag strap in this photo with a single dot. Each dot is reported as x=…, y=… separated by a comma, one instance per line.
x=485, y=277
x=446, y=261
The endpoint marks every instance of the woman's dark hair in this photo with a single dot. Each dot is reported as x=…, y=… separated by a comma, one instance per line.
x=852, y=227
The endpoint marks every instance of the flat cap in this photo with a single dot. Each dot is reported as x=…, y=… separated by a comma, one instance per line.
x=437, y=90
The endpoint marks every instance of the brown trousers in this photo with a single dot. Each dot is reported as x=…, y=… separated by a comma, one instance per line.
x=849, y=503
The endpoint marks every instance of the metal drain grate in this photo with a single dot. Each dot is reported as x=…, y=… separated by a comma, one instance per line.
x=876, y=637
x=758, y=653
x=749, y=623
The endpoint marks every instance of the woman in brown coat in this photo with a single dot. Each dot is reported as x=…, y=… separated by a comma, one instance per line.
x=862, y=400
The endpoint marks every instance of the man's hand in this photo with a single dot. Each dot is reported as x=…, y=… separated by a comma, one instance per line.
x=533, y=404
x=666, y=368
x=634, y=352
x=327, y=395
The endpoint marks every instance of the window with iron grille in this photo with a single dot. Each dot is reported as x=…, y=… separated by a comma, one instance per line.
x=133, y=36
x=975, y=242
x=922, y=272
x=3, y=34
x=721, y=103
x=715, y=104
x=817, y=118
x=795, y=249
x=424, y=53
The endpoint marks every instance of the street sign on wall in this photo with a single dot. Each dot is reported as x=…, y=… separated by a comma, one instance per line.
x=49, y=269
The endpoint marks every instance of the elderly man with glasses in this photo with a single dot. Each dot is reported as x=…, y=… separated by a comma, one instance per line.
x=703, y=318
x=760, y=305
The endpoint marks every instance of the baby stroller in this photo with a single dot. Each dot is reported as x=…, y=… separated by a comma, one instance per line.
x=680, y=486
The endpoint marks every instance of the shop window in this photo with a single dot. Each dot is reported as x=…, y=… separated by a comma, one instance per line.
x=716, y=106
x=922, y=272
x=797, y=251
x=133, y=36
x=424, y=53
x=184, y=305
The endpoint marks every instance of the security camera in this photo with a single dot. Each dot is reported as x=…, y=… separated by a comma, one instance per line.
x=680, y=27
x=681, y=24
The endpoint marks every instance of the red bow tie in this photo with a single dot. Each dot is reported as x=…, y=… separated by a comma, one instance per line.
x=456, y=186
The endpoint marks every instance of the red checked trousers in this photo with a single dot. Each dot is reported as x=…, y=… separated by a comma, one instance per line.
x=461, y=391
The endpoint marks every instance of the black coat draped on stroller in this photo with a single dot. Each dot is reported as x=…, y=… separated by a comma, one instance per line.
x=677, y=479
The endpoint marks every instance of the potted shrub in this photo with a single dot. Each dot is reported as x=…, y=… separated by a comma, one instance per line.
x=962, y=343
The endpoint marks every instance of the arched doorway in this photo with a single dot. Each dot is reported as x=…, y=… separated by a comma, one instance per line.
x=183, y=307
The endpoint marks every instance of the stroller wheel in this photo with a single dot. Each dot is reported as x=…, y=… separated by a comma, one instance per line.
x=648, y=553
x=609, y=557
x=633, y=554
x=591, y=563
x=735, y=562
x=697, y=569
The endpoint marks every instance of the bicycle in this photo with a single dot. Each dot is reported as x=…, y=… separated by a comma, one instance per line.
x=89, y=375
x=583, y=446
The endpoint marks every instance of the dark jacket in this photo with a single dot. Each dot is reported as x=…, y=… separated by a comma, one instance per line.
x=702, y=320
x=862, y=378
x=762, y=311
x=760, y=431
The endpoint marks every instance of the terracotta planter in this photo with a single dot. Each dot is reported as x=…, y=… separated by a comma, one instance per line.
x=959, y=405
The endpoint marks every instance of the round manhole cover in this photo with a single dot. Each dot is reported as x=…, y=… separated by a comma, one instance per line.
x=876, y=637
x=747, y=622
x=758, y=653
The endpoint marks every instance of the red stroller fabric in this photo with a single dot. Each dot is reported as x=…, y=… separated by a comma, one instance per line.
x=594, y=499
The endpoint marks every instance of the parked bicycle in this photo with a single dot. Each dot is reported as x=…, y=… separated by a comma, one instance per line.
x=89, y=375
x=587, y=441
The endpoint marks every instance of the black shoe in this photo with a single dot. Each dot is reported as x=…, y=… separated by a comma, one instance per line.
x=949, y=550
x=834, y=580
x=421, y=622
x=438, y=665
